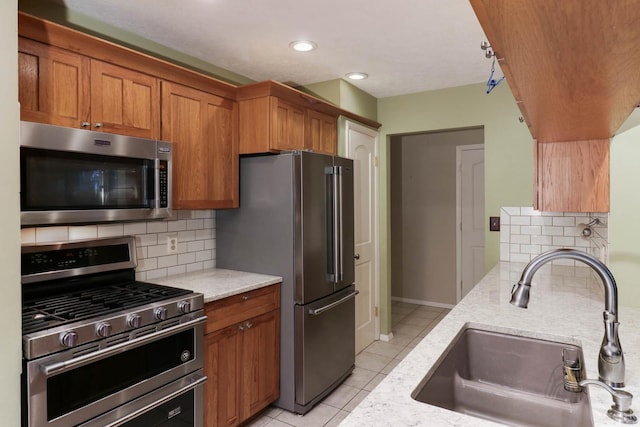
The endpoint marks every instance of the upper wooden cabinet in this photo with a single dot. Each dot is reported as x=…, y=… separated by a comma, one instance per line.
x=572, y=68
x=53, y=85
x=124, y=101
x=203, y=130
x=67, y=89
x=275, y=117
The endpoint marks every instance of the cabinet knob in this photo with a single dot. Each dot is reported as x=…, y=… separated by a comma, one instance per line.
x=245, y=297
x=356, y=256
x=248, y=325
x=85, y=124
x=241, y=327
x=98, y=125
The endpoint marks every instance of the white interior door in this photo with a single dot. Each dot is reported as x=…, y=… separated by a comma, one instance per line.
x=471, y=217
x=362, y=147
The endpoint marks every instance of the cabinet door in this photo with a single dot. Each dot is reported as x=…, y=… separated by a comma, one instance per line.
x=572, y=176
x=203, y=130
x=124, y=101
x=222, y=368
x=53, y=85
x=287, y=125
x=260, y=363
x=322, y=130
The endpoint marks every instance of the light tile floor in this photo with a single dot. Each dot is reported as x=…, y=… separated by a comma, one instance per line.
x=410, y=323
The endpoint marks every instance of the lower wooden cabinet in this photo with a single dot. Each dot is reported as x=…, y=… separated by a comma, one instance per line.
x=242, y=356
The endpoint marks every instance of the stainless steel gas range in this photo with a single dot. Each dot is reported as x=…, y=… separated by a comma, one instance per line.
x=102, y=349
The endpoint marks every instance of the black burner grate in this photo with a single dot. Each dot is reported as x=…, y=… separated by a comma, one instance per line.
x=44, y=312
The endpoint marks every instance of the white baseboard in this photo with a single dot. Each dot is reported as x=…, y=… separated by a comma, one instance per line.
x=386, y=337
x=422, y=302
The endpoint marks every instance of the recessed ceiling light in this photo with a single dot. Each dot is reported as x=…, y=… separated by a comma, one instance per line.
x=303, y=45
x=357, y=76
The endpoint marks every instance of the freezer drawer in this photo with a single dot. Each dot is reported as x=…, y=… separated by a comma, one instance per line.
x=325, y=344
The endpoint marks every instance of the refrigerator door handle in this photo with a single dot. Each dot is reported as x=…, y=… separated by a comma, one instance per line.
x=340, y=198
x=336, y=232
x=317, y=311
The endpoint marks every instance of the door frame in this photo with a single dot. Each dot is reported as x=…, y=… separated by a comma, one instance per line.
x=459, y=149
x=376, y=207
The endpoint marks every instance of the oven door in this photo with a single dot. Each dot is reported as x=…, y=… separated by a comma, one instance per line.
x=178, y=404
x=74, y=386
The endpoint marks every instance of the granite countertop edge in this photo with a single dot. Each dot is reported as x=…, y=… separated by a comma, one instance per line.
x=218, y=283
x=566, y=305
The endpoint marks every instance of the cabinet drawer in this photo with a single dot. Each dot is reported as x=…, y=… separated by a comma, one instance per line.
x=238, y=308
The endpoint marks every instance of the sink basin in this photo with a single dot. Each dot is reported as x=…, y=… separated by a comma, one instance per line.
x=505, y=378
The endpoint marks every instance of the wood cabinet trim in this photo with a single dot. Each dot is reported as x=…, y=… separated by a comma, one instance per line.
x=277, y=89
x=67, y=38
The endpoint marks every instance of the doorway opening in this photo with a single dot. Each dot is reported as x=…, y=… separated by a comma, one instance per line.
x=425, y=219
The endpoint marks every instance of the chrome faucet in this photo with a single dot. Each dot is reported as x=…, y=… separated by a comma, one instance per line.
x=611, y=359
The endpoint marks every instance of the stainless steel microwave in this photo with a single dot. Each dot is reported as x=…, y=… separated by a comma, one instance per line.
x=72, y=175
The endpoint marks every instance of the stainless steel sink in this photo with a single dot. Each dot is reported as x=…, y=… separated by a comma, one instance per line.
x=505, y=378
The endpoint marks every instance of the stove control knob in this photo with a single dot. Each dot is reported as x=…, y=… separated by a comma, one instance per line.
x=184, y=306
x=160, y=313
x=134, y=320
x=69, y=339
x=103, y=329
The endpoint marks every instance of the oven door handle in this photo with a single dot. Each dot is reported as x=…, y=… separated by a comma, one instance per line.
x=157, y=403
x=54, y=368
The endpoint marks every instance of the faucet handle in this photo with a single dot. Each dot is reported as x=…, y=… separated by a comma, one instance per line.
x=621, y=409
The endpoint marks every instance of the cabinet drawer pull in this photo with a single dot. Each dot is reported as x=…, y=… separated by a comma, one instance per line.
x=245, y=297
x=241, y=327
x=98, y=125
x=85, y=124
x=248, y=325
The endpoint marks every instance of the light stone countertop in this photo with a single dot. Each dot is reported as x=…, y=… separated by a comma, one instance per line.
x=218, y=283
x=566, y=305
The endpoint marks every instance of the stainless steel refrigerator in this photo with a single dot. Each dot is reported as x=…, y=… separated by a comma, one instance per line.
x=296, y=221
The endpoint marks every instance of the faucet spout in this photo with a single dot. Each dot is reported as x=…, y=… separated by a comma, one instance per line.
x=611, y=359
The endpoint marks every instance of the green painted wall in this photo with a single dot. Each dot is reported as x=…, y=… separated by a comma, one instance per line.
x=56, y=12
x=508, y=154
x=346, y=96
x=358, y=101
x=11, y=355
x=624, y=228
x=329, y=91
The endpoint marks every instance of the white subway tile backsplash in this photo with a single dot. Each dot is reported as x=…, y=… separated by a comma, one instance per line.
x=521, y=239
x=552, y=231
x=529, y=233
x=534, y=230
x=542, y=220
x=521, y=220
x=157, y=227
x=196, y=241
x=52, y=234
x=83, y=232
x=564, y=241
x=563, y=221
x=110, y=230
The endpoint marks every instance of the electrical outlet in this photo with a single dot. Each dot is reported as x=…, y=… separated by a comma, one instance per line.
x=172, y=244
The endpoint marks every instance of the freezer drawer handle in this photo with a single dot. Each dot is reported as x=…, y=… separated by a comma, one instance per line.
x=317, y=311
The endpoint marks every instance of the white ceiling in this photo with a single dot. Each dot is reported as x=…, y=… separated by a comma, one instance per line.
x=405, y=46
